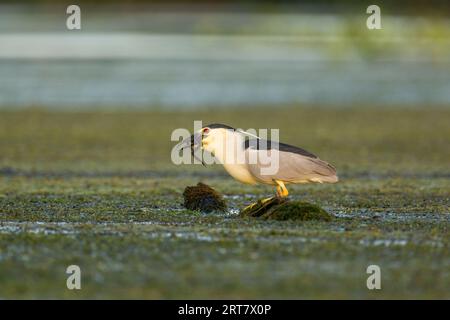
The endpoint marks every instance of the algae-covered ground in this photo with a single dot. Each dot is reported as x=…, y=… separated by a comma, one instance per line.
x=98, y=189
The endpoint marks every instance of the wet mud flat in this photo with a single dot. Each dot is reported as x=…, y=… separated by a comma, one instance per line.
x=131, y=241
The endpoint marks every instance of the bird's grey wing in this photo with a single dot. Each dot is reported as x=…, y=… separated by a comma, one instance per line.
x=292, y=168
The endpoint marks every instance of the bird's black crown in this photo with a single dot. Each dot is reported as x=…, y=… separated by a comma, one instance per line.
x=219, y=125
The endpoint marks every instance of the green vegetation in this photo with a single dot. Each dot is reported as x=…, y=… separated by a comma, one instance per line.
x=275, y=208
x=282, y=209
x=98, y=190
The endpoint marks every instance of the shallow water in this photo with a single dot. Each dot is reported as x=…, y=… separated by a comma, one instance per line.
x=117, y=228
x=150, y=61
x=192, y=83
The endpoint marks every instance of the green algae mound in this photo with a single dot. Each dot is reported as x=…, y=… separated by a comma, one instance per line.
x=203, y=198
x=283, y=209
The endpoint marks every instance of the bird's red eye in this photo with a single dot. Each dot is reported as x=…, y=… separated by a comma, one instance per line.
x=206, y=130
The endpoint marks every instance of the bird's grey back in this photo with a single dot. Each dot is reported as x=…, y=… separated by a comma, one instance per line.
x=295, y=165
x=261, y=144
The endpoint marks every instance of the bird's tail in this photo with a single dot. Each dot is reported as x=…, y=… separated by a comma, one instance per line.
x=325, y=172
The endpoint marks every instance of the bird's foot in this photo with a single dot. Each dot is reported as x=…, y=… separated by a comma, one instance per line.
x=261, y=206
x=263, y=201
x=260, y=202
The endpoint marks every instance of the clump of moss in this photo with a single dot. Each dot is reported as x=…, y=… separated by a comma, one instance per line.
x=203, y=198
x=298, y=210
x=282, y=209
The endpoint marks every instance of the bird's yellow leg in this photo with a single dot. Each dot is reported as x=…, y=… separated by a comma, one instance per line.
x=282, y=191
x=279, y=191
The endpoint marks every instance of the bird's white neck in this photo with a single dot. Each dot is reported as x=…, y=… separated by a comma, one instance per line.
x=228, y=148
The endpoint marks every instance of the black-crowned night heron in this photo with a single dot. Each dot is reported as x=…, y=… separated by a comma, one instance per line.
x=241, y=154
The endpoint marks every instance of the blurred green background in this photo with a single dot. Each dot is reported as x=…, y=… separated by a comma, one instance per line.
x=217, y=54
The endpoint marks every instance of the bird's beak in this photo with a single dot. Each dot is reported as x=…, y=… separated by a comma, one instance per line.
x=195, y=143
